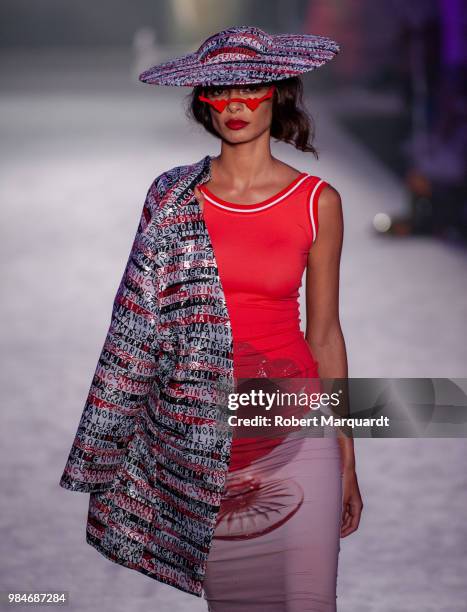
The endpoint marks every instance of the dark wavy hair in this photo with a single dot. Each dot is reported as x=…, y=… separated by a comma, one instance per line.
x=291, y=122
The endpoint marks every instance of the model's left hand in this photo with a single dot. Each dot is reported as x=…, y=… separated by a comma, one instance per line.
x=352, y=504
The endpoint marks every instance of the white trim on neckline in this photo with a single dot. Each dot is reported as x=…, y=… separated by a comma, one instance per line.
x=263, y=207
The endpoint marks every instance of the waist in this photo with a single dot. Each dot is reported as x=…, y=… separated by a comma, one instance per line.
x=270, y=342
x=265, y=322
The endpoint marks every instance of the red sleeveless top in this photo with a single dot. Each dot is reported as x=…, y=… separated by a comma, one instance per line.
x=261, y=250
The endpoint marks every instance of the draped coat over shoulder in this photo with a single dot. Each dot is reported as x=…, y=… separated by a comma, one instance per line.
x=150, y=447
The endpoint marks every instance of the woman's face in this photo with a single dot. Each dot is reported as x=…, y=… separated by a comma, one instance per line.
x=237, y=123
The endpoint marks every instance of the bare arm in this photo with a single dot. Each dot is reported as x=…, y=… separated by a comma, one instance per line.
x=323, y=329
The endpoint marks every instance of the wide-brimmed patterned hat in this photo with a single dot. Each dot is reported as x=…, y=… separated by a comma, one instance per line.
x=244, y=54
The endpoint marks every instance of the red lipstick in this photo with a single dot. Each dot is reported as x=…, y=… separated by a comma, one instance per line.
x=236, y=124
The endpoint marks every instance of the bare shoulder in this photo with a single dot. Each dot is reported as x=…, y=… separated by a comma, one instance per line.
x=285, y=172
x=331, y=220
x=330, y=199
x=329, y=208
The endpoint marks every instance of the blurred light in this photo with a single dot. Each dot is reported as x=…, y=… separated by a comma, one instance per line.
x=382, y=222
x=186, y=13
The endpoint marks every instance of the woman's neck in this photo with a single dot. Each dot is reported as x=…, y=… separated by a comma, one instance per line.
x=241, y=167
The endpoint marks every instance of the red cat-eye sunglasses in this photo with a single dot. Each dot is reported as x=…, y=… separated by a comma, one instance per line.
x=252, y=103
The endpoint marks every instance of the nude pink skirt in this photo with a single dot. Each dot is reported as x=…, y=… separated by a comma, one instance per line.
x=277, y=539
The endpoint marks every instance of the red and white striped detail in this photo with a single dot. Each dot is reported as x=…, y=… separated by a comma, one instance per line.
x=250, y=208
x=313, y=207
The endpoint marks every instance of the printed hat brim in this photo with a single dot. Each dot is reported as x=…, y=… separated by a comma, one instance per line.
x=288, y=55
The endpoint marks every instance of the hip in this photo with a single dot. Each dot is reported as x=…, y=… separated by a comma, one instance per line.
x=289, y=356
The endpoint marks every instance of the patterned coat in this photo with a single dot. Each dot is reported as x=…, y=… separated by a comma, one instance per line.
x=150, y=446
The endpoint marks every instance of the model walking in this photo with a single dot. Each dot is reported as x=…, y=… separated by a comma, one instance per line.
x=287, y=500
